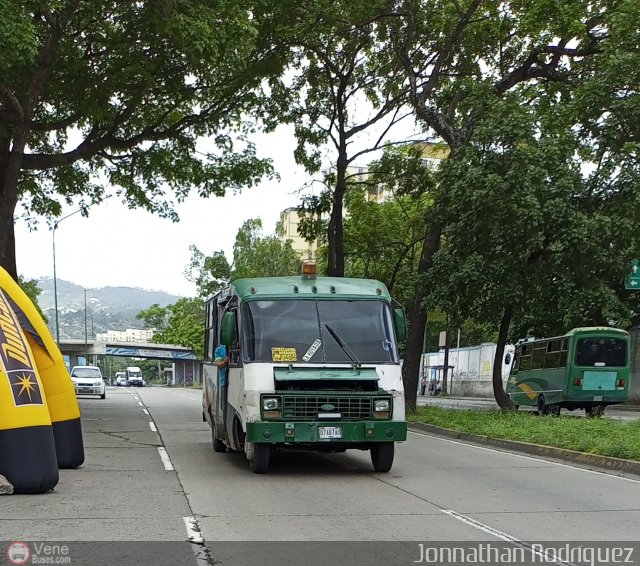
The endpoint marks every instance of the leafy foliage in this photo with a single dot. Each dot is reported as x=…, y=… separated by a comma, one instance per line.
x=254, y=255
x=30, y=287
x=181, y=323
x=118, y=94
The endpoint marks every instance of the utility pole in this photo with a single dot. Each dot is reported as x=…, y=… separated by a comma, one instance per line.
x=86, y=341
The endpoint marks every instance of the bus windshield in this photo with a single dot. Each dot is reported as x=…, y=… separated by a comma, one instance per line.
x=601, y=352
x=296, y=331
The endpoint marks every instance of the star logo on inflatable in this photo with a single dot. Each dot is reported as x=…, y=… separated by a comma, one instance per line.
x=26, y=385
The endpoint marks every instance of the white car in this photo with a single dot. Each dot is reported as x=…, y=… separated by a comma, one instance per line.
x=87, y=380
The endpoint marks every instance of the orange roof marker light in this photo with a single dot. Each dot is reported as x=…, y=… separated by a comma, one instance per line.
x=309, y=269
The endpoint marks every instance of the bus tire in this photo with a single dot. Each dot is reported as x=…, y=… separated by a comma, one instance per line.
x=218, y=445
x=382, y=456
x=595, y=411
x=259, y=461
x=543, y=408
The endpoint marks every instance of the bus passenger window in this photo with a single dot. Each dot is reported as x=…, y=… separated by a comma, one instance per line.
x=539, y=352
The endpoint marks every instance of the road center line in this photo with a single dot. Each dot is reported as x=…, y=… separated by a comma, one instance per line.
x=165, y=459
x=145, y=411
x=194, y=534
x=140, y=403
x=152, y=426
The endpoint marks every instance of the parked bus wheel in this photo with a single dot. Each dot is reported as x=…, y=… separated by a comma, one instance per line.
x=259, y=460
x=218, y=445
x=543, y=408
x=594, y=412
x=382, y=456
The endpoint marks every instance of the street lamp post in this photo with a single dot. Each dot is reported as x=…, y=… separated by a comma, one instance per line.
x=55, y=278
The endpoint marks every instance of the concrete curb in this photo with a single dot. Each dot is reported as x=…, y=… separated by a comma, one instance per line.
x=583, y=458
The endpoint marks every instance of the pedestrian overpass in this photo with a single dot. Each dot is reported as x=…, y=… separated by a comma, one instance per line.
x=187, y=368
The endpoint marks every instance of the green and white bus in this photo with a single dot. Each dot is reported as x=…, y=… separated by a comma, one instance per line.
x=588, y=368
x=313, y=364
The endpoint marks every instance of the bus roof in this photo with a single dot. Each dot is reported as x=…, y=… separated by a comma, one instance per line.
x=298, y=287
x=579, y=330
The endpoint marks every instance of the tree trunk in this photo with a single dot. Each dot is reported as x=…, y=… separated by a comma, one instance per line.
x=8, y=201
x=417, y=318
x=335, y=232
x=503, y=400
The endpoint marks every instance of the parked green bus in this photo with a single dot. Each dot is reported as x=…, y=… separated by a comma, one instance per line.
x=587, y=368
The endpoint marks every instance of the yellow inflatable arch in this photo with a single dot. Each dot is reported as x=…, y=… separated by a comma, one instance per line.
x=40, y=428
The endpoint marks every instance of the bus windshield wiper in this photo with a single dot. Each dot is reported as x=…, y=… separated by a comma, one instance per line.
x=345, y=348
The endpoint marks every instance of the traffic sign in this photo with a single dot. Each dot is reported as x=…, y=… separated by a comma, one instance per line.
x=633, y=279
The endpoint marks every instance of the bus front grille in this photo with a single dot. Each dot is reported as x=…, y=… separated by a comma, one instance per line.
x=303, y=407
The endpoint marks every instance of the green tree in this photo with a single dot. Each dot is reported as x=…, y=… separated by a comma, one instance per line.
x=181, y=323
x=30, y=287
x=459, y=58
x=335, y=98
x=254, y=255
x=527, y=241
x=155, y=317
x=107, y=93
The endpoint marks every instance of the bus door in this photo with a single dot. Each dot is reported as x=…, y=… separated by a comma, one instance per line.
x=231, y=353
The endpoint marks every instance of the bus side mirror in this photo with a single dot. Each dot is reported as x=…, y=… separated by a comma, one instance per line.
x=228, y=335
x=400, y=323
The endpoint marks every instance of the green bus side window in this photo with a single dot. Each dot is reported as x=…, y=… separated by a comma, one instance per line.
x=563, y=358
x=539, y=354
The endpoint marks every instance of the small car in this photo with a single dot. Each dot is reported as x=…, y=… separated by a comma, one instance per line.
x=87, y=380
x=121, y=380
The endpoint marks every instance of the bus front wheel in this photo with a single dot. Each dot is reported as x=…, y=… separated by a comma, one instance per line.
x=218, y=445
x=382, y=456
x=259, y=459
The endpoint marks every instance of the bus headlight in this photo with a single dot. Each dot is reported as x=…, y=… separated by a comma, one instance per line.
x=271, y=407
x=270, y=403
x=381, y=408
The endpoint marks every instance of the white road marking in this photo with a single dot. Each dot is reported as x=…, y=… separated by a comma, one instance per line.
x=140, y=403
x=165, y=459
x=194, y=534
x=506, y=451
x=152, y=426
x=481, y=526
x=145, y=411
x=502, y=536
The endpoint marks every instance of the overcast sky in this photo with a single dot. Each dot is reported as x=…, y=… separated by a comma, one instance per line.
x=116, y=246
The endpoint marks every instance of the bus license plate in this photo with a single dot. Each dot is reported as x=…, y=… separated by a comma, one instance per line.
x=325, y=432
x=597, y=397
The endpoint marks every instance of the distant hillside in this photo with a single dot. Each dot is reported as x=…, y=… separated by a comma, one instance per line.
x=108, y=308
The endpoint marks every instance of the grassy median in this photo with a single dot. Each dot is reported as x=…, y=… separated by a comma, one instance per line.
x=606, y=437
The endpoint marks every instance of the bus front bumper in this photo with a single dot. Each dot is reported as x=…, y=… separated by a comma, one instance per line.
x=325, y=433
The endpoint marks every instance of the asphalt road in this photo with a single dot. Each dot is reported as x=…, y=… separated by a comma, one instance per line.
x=438, y=490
